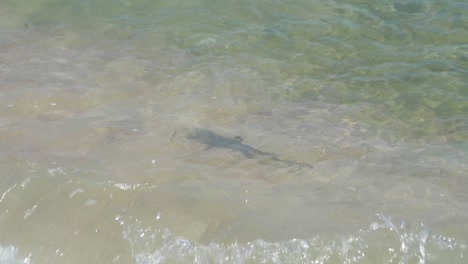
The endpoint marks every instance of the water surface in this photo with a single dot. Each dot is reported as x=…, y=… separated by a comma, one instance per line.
x=98, y=99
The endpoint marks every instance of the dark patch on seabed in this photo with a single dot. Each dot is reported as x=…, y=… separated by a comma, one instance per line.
x=213, y=140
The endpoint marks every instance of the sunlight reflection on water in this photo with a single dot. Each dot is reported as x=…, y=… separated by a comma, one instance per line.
x=98, y=100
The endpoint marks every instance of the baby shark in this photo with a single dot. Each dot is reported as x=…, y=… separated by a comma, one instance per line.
x=213, y=140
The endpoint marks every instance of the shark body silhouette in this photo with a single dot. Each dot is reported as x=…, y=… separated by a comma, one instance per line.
x=213, y=140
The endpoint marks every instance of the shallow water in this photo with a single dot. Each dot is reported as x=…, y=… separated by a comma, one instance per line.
x=98, y=100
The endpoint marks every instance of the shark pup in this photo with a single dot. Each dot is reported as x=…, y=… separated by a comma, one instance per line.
x=213, y=140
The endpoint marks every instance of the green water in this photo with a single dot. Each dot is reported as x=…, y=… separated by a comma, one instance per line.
x=98, y=100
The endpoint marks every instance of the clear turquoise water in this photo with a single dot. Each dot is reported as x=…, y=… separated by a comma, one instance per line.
x=97, y=99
